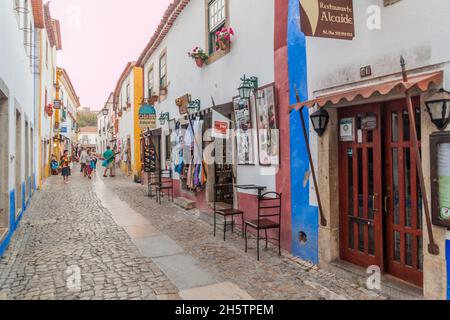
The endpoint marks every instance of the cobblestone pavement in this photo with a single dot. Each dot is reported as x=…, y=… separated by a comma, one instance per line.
x=66, y=225
x=66, y=228
x=271, y=278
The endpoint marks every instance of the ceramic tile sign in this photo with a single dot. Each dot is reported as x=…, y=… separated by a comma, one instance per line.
x=327, y=18
x=147, y=117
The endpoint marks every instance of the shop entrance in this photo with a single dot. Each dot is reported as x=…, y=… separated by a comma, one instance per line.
x=381, y=205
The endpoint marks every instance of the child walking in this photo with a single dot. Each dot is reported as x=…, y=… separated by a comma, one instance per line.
x=65, y=165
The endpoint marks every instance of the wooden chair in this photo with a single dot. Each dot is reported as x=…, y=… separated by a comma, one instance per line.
x=269, y=218
x=223, y=194
x=166, y=185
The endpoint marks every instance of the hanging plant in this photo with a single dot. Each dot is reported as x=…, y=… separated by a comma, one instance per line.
x=224, y=38
x=199, y=55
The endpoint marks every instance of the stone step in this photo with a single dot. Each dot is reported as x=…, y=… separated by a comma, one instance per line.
x=185, y=203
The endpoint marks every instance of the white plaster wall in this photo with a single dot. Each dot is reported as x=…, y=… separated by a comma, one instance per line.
x=93, y=137
x=416, y=29
x=252, y=54
x=16, y=73
x=70, y=105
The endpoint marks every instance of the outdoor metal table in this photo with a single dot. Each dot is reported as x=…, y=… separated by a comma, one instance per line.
x=251, y=187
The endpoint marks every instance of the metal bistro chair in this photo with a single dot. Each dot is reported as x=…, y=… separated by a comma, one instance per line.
x=223, y=193
x=166, y=185
x=153, y=182
x=269, y=217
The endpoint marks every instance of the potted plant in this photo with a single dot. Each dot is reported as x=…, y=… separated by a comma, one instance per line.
x=199, y=55
x=223, y=38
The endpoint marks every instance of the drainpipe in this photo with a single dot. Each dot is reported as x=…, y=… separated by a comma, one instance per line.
x=433, y=248
x=323, y=220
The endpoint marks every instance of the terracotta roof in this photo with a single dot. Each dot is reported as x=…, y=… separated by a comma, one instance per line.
x=420, y=81
x=57, y=28
x=126, y=71
x=53, y=28
x=167, y=21
x=71, y=87
x=89, y=130
x=38, y=14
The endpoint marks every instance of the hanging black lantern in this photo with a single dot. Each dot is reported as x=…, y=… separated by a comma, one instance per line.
x=320, y=120
x=438, y=106
x=105, y=111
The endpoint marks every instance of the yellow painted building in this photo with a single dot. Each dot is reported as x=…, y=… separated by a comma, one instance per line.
x=128, y=97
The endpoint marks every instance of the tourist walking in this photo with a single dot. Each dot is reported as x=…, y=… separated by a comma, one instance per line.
x=108, y=161
x=65, y=166
x=89, y=164
x=83, y=161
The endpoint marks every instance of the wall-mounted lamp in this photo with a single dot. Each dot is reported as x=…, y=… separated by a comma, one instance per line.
x=194, y=106
x=165, y=116
x=438, y=106
x=319, y=120
x=247, y=86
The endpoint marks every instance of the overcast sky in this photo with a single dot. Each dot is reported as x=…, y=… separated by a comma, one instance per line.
x=99, y=37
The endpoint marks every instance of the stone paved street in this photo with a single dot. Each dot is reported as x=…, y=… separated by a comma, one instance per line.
x=128, y=247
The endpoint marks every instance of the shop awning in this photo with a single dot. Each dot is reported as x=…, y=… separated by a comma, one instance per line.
x=421, y=82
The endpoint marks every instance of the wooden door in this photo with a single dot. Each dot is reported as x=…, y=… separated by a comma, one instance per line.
x=403, y=200
x=361, y=225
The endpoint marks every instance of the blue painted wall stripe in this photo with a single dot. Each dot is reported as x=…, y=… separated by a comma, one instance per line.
x=448, y=268
x=304, y=217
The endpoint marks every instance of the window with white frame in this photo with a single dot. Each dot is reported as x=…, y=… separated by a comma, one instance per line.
x=151, y=82
x=217, y=16
x=128, y=95
x=163, y=70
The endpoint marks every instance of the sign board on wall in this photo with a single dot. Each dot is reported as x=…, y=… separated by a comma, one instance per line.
x=440, y=177
x=147, y=117
x=327, y=18
x=347, y=129
x=183, y=103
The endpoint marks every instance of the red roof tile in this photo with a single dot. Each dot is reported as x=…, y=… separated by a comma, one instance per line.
x=167, y=21
x=38, y=14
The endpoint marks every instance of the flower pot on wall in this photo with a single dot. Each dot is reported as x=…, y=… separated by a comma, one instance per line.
x=223, y=46
x=200, y=62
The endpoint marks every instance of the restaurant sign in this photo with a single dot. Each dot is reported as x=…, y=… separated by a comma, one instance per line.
x=327, y=18
x=147, y=117
x=183, y=103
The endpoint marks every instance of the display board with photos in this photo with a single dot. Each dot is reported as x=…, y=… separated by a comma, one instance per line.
x=244, y=136
x=440, y=177
x=267, y=123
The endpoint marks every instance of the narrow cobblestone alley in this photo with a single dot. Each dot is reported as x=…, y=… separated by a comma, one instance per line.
x=128, y=247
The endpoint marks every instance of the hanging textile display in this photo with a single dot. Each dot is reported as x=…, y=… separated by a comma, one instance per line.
x=194, y=172
x=177, y=149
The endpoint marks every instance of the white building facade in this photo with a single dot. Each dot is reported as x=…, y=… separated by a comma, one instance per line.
x=360, y=79
x=69, y=109
x=50, y=45
x=174, y=79
x=17, y=114
x=105, y=125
